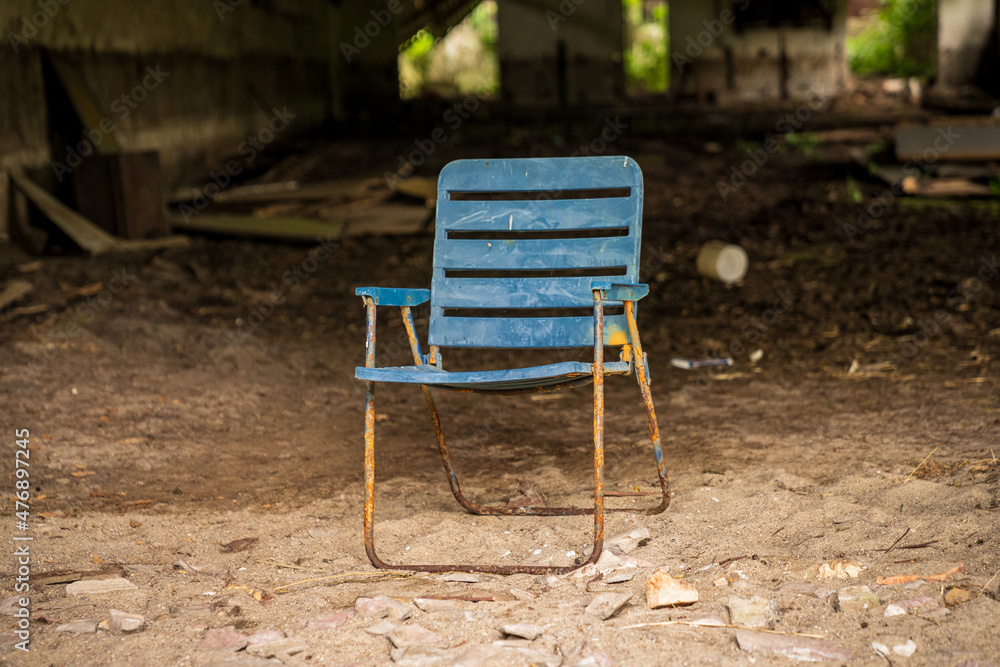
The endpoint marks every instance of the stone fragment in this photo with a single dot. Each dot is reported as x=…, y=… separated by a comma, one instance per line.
x=798, y=648
x=432, y=605
x=419, y=656
x=919, y=605
x=525, y=630
x=80, y=627
x=11, y=604
x=380, y=629
x=120, y=621
x=711, y=620
x=462, y=577
x=956, y=596
x=627, y=541
x=662, y=590
x=330, y=621
x=855, y=599
x=265, y=636
x=479, y=655
x=757, y=612
x=522, y=595
x=906, y=649
x=721, y=582
x=223, y=639
x=383, y=606
x=606, y=605
x=412, y=635
x=620, y=578
x=100, y=586
x=533, y=657
x=595, y=659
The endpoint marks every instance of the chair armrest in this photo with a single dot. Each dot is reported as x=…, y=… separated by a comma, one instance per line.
x=391, y=296
x=620, y=292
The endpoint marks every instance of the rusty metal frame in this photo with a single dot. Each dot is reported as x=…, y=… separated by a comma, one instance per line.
x=634, y=348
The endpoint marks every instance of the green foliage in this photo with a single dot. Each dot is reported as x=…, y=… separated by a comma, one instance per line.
x=805, y=142
x=646, y=63
x=901, y=43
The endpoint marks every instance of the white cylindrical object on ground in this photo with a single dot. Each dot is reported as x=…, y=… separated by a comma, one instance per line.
x=722, y=261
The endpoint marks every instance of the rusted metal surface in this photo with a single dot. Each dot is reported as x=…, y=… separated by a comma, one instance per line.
x=647, y=399
x=598, y=426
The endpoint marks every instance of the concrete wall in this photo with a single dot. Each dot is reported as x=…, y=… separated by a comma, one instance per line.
x=190, y=78
x=560, y=52
x=964, y=31
x=711, y=61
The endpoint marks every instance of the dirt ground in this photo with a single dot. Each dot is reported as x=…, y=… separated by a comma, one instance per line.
x=181, y=406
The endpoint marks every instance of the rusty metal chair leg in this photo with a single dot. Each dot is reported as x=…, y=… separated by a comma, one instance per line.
x=647, y=399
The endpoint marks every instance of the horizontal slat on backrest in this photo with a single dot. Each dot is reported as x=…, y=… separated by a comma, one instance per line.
x=511, y=332
x=535, y=253
x=536, y=215
x=514, y=292
x=540, y=174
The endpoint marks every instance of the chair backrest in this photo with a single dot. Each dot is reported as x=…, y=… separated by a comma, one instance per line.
x=518, y=244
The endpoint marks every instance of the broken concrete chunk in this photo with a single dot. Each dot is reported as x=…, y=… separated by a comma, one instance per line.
x=627, y=541
x=606, y=605
x=418, y=656
x=413, y=635
x=855, y=599
x=711, y=620
x=223, y=639
x=120, y=621
x=757, y=612
x=265, y=636
x=330, y=621
x=797, y=648
x=662, y=590
x=100, y=586
x=81, y=627
x=525, y=630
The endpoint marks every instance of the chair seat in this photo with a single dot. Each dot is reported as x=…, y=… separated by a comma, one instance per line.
x=513, y=379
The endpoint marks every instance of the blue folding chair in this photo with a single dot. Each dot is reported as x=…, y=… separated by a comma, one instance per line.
x=521, y=248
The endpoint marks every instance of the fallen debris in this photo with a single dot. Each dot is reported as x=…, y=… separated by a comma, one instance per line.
x=707, y=620
x=380, y=629
x=265, y=636
x=418, y=656
x=13, y=291
x=606, y=605
x=415, y=634
x=100, y=586
x=662, y=590
x=756, y=612
x=842, y=568
x=906, y=578
x=627, y=541
x=527, y=631
x=330, y=621
x=240, y=544
x=123, y=622
x=527, y=497
x=223, y=639
x=855, y=599
x=79, y=627
x=795, y=647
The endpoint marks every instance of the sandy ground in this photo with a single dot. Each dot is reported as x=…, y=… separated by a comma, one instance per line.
x=167, y=420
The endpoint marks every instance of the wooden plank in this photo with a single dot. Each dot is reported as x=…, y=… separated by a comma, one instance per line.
x=418, y=187
x=959, y=138
x=86, y=234
x=245, y=225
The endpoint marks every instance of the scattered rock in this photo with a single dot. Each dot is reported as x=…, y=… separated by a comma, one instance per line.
x=627, y=541
x=606, y=605
x=533, y=657
x=223, y=639
x=265, y=636
x=383, y=606
x=595, y=659
x=525, y=630
x=432, y=605
x=805, y=588
x=330, y=621
x=620, y=578
x=100, y=586
x=413, y=635
x=528, y=497
x=120, y=621
x=797, y=648
x=956, y=596
x=522, y=595
x=81, y=627
x=757, y=612
x=662, y=590
x=721, y=582
x=320, y=534
x=240, y=545
x=418, y=656
x=380, y=629
x=711, y=620
x=855, y=599
x=477, y=656
x=906, y=649
x=922, y=606
x=11, y=604
x=515, y=643
x=283, y=650
x=842, y=568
